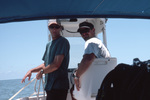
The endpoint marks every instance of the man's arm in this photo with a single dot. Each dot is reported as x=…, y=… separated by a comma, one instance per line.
x=52, y=67
x=83, y=66
x=85, y=63
x=29, y=73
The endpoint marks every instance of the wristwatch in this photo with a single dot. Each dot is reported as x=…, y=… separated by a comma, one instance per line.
x=74, y=75
x=42, y=71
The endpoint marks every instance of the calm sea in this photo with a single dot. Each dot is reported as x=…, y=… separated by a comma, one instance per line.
x=9, y=87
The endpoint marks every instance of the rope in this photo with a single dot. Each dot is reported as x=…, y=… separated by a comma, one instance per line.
x=38, y=92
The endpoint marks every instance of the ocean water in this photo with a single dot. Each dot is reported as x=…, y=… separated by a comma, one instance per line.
x=10, y=87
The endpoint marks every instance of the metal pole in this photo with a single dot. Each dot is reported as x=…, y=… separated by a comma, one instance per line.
x=104, y=35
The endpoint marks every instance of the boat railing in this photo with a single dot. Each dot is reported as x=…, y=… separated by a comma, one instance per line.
x=36, y=92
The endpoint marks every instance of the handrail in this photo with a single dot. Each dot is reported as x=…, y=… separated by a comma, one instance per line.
x=22, y=89
x=34, y=88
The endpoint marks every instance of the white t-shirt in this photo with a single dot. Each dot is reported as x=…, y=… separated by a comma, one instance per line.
x=95, y=45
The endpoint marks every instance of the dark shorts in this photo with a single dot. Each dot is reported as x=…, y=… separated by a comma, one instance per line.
x=56, y=94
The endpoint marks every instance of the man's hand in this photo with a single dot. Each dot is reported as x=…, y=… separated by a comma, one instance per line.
x=28, y=74
x=39, y=75
x=77, y=83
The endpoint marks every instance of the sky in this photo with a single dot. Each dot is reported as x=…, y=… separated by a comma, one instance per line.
x=22, y=44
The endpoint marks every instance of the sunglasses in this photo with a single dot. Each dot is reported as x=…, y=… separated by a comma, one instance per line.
x=84, y=30
x=54, y=26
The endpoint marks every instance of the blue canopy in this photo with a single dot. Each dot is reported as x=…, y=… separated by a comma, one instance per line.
x=22, y=10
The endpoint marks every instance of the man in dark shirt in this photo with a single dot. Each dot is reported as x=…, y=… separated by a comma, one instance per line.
x=56, y=60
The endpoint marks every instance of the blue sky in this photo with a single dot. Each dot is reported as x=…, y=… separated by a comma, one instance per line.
x=22, y=44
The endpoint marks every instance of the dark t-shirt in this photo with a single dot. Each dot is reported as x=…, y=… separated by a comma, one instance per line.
x=59, y=78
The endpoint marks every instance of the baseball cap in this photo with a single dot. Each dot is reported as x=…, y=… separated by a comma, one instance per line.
x=54, y=21
x=85, y=25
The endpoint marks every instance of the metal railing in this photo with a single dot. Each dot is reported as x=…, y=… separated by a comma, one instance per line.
x=35, y=91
